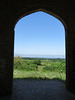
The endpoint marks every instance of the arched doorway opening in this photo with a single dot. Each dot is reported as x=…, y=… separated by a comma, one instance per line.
x=11, y=12
x=60, y=71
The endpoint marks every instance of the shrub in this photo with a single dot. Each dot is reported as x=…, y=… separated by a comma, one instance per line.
x=31, y=67
x=17, y=59
x=47, y=68
x=34, y=66
x=55, y=66
x=38, y=62
x=19, y=64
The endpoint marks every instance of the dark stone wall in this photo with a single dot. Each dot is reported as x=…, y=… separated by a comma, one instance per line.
x=11, y=11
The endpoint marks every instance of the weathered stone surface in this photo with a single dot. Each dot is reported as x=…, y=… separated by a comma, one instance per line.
x=11, y=11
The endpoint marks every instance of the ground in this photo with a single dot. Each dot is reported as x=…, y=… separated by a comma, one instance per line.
x=29, y=89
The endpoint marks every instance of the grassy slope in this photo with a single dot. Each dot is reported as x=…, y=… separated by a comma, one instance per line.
x=56, y=72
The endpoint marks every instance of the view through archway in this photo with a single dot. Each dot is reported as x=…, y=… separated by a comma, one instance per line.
x=39, y=47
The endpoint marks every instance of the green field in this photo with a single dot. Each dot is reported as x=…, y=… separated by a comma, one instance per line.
x=39, y=68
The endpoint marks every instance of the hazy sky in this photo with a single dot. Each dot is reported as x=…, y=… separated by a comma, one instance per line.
x=39, y=34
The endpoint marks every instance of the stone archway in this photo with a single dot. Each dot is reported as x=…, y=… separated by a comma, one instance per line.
x=10, y=13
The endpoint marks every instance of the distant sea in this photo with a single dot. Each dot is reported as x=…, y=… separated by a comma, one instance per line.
x=41, y=56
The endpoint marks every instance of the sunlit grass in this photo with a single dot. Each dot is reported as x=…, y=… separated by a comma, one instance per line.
x=48, y=69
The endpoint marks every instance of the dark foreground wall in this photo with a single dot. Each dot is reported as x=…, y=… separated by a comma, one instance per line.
x=11, y=11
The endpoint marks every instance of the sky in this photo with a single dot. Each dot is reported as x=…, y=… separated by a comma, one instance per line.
x=39, y=33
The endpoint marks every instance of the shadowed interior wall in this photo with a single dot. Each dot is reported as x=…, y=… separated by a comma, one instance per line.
x=10, y=12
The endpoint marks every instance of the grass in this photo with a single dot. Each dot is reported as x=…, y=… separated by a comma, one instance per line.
x=36, y=68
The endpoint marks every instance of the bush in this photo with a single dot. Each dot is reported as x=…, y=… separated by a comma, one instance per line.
x=19, y=64
x=17, y=59
x=34, y=66
x=38, y=62
x=47, y=68
x=31, y=67
x=55, y=66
